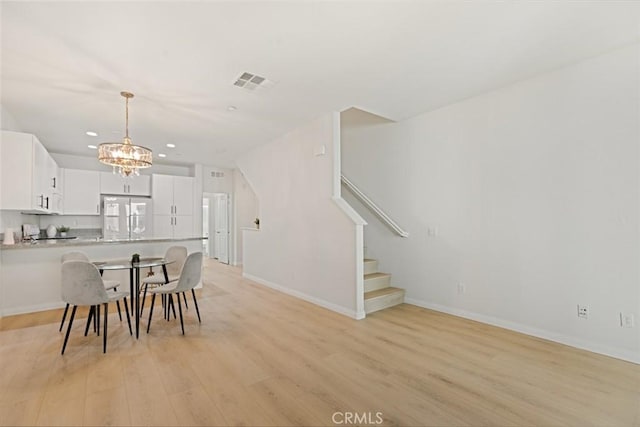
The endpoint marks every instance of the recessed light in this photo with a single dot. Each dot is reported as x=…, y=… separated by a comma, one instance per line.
x=162, y=155
x=232, y=108
x=91, y=133
x=171, y=145
x=93, y=147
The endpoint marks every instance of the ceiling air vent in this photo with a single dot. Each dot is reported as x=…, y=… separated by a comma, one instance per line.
x=252, y=82
x=217, y=174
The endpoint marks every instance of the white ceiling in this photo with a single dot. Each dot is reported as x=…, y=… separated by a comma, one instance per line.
x=64, y=63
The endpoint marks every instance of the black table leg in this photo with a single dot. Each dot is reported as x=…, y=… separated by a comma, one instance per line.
x=133, y=296
x=137, y=301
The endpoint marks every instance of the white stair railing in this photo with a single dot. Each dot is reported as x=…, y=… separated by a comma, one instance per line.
x=373, y=207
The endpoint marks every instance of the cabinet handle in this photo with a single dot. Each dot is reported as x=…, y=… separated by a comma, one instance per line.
x=47, y=207
x=128, y=189
x=41, y=201
x=175, y=208
x=54, y=182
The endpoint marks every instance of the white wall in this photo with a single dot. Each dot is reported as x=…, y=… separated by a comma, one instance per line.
x=306, y=245
x=534, y=191
x=245, y=211
x=7, y=120
x=212, y=182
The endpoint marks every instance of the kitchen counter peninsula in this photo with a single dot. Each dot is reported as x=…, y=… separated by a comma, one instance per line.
x=30, y=274
x=90, y=241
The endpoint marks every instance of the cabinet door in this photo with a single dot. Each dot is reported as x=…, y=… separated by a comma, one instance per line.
x=163, y=226
x=139, y=185
x=183, y=226
x=42, y=191
x=17, y=171
x=81, y=192
x=52, y=180
x=162, y=193
x=111, y=183
x=183, y=195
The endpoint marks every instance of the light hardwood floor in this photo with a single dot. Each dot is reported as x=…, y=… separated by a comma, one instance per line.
x=263, y=358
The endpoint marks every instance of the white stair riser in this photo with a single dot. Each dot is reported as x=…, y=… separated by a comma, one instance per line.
x=370, y=266
x=376, y=283
x=384, y=301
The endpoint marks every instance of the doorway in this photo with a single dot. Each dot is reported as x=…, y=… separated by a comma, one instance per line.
x=215, y=225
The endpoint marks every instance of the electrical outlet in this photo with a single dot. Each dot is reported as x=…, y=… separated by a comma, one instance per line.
x=583, y=311
x=627, y=320
x=461, y=288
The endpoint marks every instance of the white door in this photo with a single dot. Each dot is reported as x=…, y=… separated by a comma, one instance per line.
x=221, y=218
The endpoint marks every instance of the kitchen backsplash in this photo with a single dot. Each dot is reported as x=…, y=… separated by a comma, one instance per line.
x=15, y=219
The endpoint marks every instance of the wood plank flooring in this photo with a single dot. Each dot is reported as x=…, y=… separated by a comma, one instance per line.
x=262, y=358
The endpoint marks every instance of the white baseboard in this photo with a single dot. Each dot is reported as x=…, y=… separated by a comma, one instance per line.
x=317, y=301
x=30, y=309
x=618, y=353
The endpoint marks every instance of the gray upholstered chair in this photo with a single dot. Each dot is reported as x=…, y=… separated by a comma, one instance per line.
x=177, y=254
x=189, y=278
x=108, y=284
x=83, y=285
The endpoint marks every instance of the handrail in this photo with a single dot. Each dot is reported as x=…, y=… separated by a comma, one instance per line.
x=373, y=207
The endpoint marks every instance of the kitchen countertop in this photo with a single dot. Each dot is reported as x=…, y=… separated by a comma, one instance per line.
x=90, y=241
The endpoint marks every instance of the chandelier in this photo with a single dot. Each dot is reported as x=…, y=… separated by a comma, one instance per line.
x=125, y=157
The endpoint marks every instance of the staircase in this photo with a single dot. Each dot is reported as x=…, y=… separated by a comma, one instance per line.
x=378, y=294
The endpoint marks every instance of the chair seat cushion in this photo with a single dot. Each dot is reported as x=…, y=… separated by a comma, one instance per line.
x=117, y=295
x=166, y=289
x=111, y=284
x=158, y=279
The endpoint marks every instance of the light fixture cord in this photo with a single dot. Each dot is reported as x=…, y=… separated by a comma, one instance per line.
x=127, y=117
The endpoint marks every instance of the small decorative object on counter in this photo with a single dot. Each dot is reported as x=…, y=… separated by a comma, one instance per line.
x=63, y=230
x=135, y=258
x=8, y=237
x=257, y=223
x=52, y=231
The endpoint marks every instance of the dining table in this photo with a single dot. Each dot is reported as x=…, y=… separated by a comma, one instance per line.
x=134, y=278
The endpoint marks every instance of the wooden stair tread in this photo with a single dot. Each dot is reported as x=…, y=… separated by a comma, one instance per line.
x=381, y=292
x=375, y=275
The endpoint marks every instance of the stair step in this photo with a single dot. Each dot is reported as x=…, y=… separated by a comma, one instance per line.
x=370, y=266
x=382, y=298
x=375, y=281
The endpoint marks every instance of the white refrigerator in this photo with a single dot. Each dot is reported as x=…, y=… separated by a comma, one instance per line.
x=126, y=218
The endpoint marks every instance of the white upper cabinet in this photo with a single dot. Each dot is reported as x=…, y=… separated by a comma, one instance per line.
x=26, y=168
x=81, y=193
x=54, y=186
x=111, y=183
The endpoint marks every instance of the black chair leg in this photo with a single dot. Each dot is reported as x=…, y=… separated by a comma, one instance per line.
x=104, y=333
x=195, y=302
x=64, y=316
x=86, y=329
x=153, y=300
x=186, y=307
x=180, y=310
x=173, y=307
x=144, y=297
x=66, y=337
x=119, y=313
x=97, y=319
x=126, y=309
